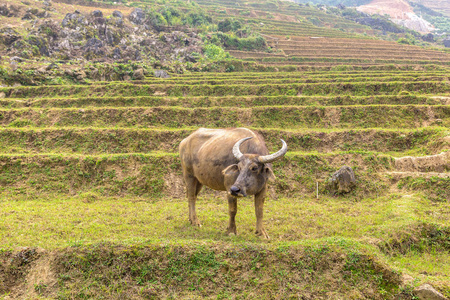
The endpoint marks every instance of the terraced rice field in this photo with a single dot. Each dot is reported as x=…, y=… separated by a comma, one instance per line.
x=87, y=164
x=306, y=50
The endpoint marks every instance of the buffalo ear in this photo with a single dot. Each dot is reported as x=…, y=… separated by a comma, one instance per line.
x=228, y=170
x=269, y=173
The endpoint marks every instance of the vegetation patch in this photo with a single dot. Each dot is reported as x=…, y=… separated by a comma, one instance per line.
x=322, y=269
x=434, y=188
x=418, y=238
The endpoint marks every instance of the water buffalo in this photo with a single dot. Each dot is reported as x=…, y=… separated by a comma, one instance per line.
x=215, y=158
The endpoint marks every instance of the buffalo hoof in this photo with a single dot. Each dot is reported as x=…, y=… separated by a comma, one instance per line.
x=262, y=233
x=231, y=232
x=195, y=222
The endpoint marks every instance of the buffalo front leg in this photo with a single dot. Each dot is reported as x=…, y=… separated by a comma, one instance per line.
x=259, y=206
x=193, y=187
x=232, y=210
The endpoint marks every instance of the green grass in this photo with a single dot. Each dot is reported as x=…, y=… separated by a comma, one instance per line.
x=370, y=116
x=309, y=89
x=128, y=140
x=157, y=245
x=90, y=173
x=56, y=221
x=403, y=98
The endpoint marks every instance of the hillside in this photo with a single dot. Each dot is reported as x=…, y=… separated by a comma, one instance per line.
x=92, y=198
x=400, y=12
x=437, y=5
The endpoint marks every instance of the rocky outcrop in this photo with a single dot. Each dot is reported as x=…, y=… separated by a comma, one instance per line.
x=137, y=16
x=95, y=36
x=427, y=292
x=342, y=181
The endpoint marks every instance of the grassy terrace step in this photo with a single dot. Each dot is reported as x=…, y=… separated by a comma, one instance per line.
x=310, y=79
x=302, y=75
x=381, y=58
x=299, y=77
x=128, y=89
x=371, y=116
x=159, y=174
x=381, y=70
x=314, y=62
x=195, y=268
x=225, y=101
x=340, y=43
x=124, y=140
x=345, y=44
x=360, y=49
x=314, y=32
x=343, y=41
x=369, y=53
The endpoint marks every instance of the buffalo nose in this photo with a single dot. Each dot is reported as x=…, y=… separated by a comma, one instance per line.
x=234, y=190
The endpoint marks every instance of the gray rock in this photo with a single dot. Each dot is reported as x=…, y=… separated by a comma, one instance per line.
x=28, y=16
x=427, y=292
x=117, y=54
x=161, y=74
x=93, y=43
x=97, y=13
x=447, y=43
x=4, y=10
x=342, y=181
x=117, y=14
x=137, y=16
x=137, y=55
x=93, y=47
x=139, y=74
x=17, y=59
x=73, y=20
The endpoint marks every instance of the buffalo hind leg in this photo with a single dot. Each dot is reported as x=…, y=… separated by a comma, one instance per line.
x=259, y=206
x=193, y=187
x=232, y=210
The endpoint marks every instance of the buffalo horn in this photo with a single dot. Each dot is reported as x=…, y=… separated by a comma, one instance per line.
x=271, y=157
x=236, y=152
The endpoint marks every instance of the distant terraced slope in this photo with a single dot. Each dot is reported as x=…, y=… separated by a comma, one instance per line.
x=442, y=6
x=285, y=18
x=312, y=50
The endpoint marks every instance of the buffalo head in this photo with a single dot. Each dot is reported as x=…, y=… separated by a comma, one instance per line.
x=251, y=173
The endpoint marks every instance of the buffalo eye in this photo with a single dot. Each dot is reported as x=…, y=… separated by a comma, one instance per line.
x=254, y=168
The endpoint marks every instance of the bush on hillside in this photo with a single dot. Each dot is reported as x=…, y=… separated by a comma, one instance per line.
x=230, y=41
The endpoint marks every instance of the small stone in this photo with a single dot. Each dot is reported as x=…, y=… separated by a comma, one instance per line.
x=17, y=59
x=342, y=181
x=138, y=74
x=97, y=13
x=427, y=292
x=2, y=95
x=117, y=14
x=161, y=74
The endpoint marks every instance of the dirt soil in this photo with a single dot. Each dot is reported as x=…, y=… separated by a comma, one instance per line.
x=397, y=9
